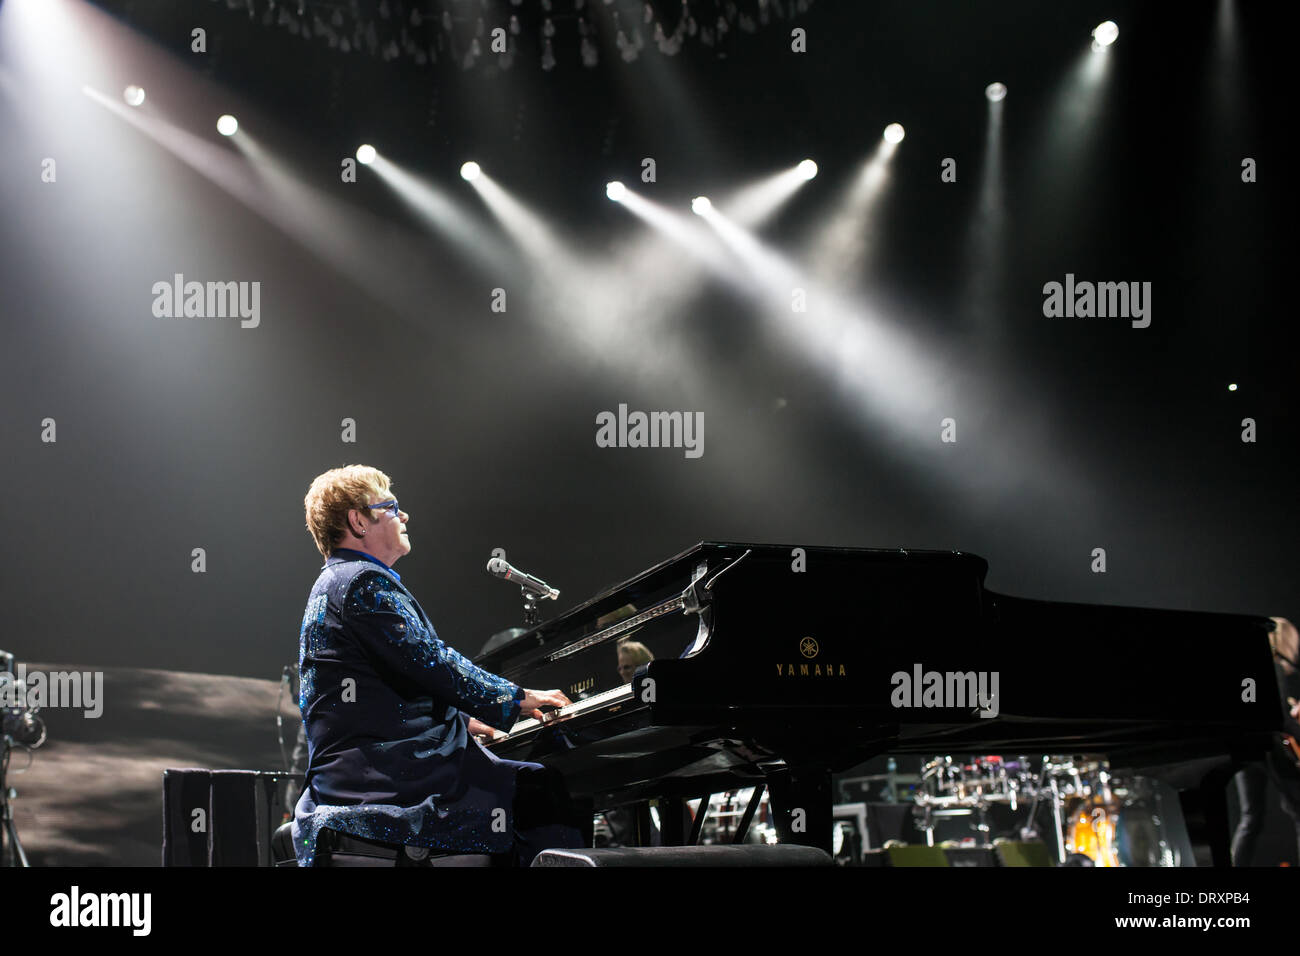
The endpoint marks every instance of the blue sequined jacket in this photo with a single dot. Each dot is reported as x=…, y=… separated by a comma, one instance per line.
x=385, y=705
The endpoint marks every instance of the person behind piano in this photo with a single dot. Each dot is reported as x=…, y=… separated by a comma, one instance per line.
x=622, y=820
x=1280, y=767
x=391, y=711
x=631, y=655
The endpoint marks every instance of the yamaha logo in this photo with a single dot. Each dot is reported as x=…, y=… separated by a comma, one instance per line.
x=809, y=649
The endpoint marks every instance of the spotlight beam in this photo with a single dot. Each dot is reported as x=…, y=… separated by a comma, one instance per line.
x=756, y=203
x=843, y=246
x=1067, y=143
x=526, y=227
x=986, y=236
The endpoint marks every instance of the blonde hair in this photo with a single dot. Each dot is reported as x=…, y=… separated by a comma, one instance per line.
x=335, y=493
x=1286, y=643
x=639, y=653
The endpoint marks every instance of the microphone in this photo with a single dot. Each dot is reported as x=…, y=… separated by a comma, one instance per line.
x=498, y=567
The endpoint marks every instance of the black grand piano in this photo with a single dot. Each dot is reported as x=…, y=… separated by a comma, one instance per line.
x=778, y=665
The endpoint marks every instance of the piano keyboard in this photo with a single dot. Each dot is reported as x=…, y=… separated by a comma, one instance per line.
x=603, y=700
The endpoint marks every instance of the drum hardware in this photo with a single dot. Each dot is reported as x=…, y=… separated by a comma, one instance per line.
x=738, y=816
x=1097, y=816
x=20, y=726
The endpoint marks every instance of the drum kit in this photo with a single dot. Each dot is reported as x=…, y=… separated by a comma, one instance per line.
x=727, y=810
x=1098, y=818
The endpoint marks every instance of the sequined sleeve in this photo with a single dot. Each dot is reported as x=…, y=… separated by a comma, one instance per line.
x=382, y=617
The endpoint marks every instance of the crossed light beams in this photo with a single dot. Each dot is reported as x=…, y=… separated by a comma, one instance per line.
x=672, y=232
x=839, y=336
x=585, y=301
x=839, y=340
x=626, y=299
x=611, y=309
x=645, y=282
x=592, y=305
x=891, y=378
x=615, y=309
x=685, y=232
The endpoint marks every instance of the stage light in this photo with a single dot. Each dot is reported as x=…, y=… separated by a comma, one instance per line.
x=1232, y=387
x=469, y=171
x=1105, y=34
x=700, y=205
x=615, y=190
x=134, y=95
x=996, y=92
x=366, y=154
x=894, y=133
x=227, y=125
x=807, y=169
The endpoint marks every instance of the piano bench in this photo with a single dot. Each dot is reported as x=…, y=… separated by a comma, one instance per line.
x=282, y=846
x=740, y=855
x=340, y=850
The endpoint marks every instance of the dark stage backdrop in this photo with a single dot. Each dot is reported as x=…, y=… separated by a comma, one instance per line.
x=1073, y=434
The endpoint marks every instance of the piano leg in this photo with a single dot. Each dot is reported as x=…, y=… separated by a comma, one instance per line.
x=584, y=819
x=644, y=825
x=1205, y=811
x=671, y=825
x=802, y=806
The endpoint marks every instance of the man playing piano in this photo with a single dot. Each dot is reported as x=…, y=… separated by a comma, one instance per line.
x=391, y=711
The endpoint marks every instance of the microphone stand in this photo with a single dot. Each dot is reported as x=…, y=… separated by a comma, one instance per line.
x=11, y=848
x=532, y=616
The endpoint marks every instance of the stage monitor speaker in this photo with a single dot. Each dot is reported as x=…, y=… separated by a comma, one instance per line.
x=906, y=856
x=186, y=808
x=970, y=856
x=1031, y=853
x=221, y=817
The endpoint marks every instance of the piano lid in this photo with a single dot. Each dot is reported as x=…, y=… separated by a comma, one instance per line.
x=671, y=577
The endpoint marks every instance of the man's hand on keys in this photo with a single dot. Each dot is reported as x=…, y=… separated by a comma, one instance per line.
x=534, y=700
